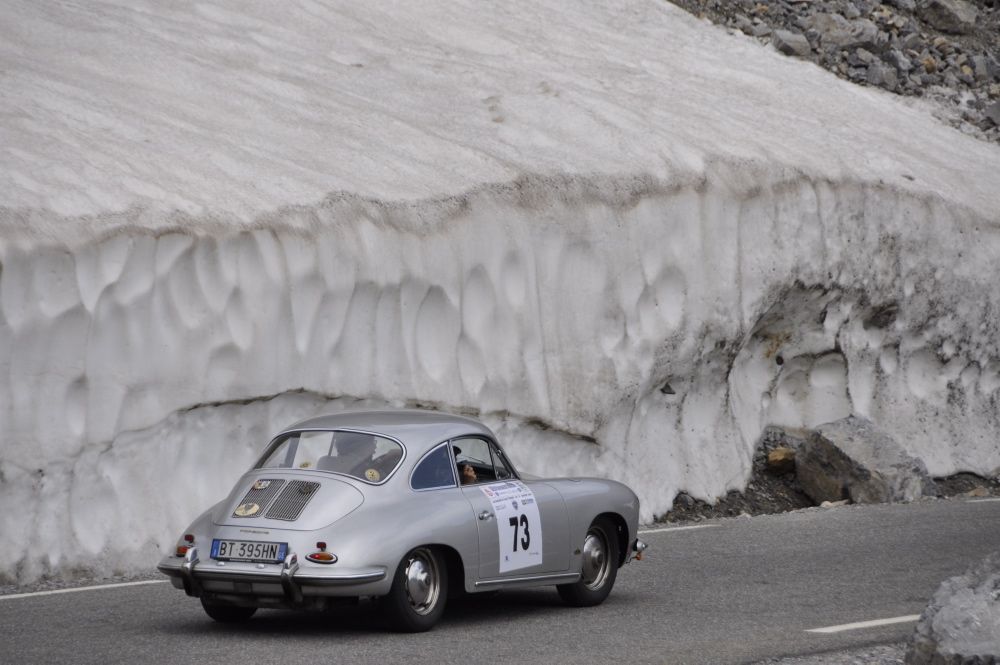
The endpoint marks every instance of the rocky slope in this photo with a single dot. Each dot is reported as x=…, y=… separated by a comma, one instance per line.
x=944, y=50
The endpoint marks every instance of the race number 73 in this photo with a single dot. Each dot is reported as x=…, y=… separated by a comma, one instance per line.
x=521, y=524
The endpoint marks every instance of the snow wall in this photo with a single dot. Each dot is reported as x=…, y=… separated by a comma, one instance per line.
x=643, y=321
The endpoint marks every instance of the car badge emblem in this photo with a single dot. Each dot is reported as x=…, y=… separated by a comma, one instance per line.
x=372, y=475
x=247, y=510
x=514, y=502
x=307, y=489
x=262, y=484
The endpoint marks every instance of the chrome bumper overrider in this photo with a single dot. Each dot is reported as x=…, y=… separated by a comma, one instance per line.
x=194, y=575
x=638, y=547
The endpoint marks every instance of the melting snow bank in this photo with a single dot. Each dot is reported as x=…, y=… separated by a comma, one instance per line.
x=648, y=337
x=626, y=239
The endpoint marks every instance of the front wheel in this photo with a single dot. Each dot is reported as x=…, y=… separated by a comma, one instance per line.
x=419, y=592
x=599, y=567
x=227, y=613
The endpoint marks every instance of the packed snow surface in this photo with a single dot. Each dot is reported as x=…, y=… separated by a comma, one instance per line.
x=625, y=238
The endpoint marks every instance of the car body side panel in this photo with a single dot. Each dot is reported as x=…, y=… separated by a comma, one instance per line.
x=554, y=531
x=586, y=498
x=390, y=526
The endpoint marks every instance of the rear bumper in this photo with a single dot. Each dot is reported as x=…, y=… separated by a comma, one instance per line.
x=284, y=584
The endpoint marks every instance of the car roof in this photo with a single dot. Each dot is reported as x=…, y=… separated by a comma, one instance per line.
x=419, y=430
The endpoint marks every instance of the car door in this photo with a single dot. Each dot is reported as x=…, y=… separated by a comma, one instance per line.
x=522, y=526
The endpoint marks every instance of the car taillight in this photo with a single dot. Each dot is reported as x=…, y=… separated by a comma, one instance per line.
x=182, y=548
x=322, y=557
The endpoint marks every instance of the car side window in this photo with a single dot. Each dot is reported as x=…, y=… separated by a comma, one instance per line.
x=480, y=461
x=434, y=471
x=500, y=463
x=473, y=460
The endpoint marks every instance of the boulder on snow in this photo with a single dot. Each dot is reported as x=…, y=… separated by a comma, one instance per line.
x=852, y=459
x=954, y=16
x=961, y=624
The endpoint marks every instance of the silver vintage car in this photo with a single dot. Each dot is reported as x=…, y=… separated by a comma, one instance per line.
x=407, y=507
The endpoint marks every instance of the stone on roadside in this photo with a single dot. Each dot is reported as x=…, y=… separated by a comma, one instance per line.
x=860, y=33
x=882, y=76
x=744, y=24
x=993, y=113
x=781, y=460
x=954, y=16
x=912, y=41
x=961, y=624
x=791, y=43
x=899, y=61
x=906, y=5
x=860, y=58
x=981, y=67
x=852, y=459
x=836, y=32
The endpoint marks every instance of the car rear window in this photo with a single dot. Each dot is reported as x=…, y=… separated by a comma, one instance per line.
x=361, y=455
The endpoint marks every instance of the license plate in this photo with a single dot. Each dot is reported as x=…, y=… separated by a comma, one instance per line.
x=248, y=550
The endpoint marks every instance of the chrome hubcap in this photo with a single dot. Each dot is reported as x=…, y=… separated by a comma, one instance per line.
x=422, y=582
x=595, y=560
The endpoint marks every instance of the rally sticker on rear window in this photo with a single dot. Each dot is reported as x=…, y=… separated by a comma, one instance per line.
x=518, y=524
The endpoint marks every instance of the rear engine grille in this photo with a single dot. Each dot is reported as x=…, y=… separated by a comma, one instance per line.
x=292, y=500
x=262, y=496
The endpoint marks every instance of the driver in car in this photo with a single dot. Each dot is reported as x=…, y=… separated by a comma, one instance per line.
x=467, y=474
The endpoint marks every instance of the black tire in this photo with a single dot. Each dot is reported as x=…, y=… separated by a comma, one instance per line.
x=599, y=568
x=227, y=613
x=419, y=592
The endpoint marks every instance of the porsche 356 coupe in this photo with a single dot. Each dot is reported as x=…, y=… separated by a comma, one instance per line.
x=406, y=507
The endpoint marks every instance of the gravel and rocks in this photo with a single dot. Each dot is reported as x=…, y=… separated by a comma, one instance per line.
x=947, y=51
x=775, y=488
x=961, y=624
x=772, y=487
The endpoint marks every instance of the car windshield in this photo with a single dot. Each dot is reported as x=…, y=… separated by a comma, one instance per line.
x=364, y=456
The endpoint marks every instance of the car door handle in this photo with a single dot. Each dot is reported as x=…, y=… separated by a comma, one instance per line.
x=485, y=515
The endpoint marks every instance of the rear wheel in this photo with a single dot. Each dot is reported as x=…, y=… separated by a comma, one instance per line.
x=227, y=613
x=599, y=567
x=419, y=592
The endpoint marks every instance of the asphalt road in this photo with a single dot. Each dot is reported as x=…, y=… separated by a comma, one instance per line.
x=739, y=591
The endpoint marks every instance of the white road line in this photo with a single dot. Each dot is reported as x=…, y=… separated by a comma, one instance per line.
x=996, y=498
x=865, y=624
x=13, y=596
x=679, y=528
